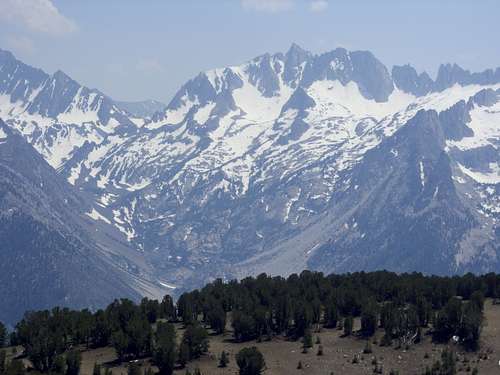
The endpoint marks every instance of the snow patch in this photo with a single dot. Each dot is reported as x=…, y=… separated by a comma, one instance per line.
x=422, y=174
x=492, y=177
x=97, y=216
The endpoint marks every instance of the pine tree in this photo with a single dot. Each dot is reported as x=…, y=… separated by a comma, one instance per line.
x=307, y=341
x=250, y=361
x=3, y=335
x=183, y=357
x=15, y=367
x=224, y=359
x=3, y=361
x=369, y=319
x=164, y=353
x=331, y=313
x=59, y=365
x=368, y=348
x=196, y=340
x=73, y=362
x=348, y=323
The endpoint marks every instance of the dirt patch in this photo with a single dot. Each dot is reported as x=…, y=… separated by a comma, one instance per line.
x=282, y=356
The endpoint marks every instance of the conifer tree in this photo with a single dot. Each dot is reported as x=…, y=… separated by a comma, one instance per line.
x=224, y=360
x=250, y=361
x=96, y=370
x=348, y=323
x=164, y=353
x=73, y=362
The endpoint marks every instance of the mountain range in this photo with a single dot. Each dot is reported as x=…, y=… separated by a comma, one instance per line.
x=289, y=161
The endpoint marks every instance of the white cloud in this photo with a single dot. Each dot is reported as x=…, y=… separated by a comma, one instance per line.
x=20, y=44
x=318, y=5
x=270, y=6
x=39, y=16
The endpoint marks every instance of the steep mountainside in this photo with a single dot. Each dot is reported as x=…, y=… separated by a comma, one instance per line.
x=51, y=251
x=56, y=114
x=297, y=160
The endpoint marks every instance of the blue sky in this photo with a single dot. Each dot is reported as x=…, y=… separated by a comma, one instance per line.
x=141, y=49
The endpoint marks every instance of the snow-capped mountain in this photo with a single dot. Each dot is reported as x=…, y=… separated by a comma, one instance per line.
x=144, y=109
x=56, y=114
x=293, y=161
x=53, y=253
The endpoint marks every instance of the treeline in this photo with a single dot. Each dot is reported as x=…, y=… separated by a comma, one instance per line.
x=50, y=338
x=259, y=308
x=400, y=304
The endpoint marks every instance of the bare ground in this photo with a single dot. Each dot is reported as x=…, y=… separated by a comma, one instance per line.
x=282, y=356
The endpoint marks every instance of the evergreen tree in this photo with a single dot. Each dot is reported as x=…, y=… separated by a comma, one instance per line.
x=217, y=318
x=224, y=359
x=307, y=340
x=120, y=342
x=167, y=308
x=477, y=300
x=244, y=326
x=183, y=357
x=368, y=348
x=43, y=337
x=3, y=361
x=424, y=311
x=470, y=326
x=150, y=309
x=73, y=362
x=186, y=307
x=196, y=339
x=101, y=330
x=348, y=323
x=3, y=335
x=164, y=353
x=15, y=367
x=59, y=366
x=250, y=361
x=139, y=335
x=369, y=319
x=302, y=318
x=331, y=313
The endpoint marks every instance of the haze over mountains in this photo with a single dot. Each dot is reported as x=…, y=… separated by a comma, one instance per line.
x=289, y=161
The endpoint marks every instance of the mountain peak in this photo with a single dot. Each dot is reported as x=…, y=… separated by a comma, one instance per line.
x=59, y=75
x=295, y=49
x=6, y=55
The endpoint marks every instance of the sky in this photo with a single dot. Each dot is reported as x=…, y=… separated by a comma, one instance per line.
x=147, y=49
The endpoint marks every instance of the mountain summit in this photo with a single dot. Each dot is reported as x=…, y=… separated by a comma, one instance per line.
x=288, y=161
